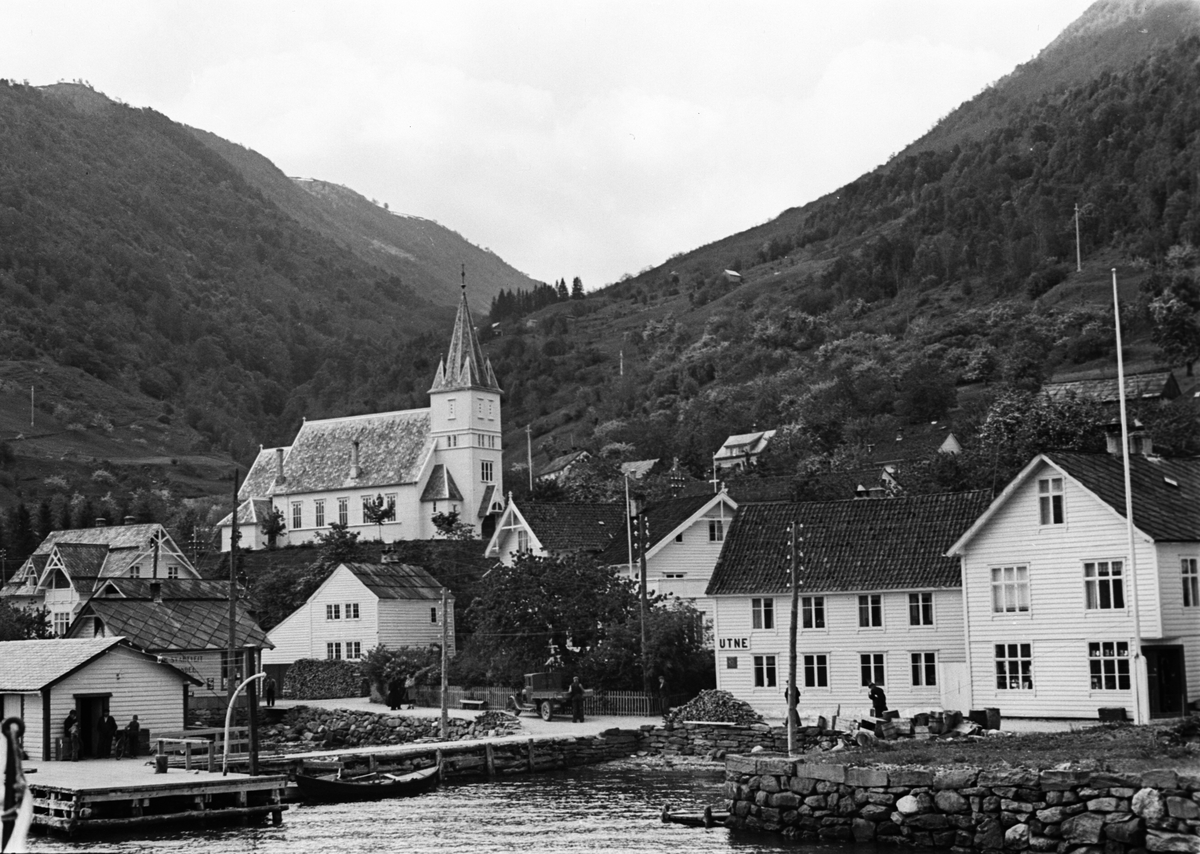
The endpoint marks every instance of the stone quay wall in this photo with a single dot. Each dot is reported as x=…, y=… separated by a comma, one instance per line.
x=314, y=728
x=716, y=740
x=968, y=809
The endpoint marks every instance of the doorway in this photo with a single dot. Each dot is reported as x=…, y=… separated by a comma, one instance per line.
x=91, y=709
x=1166, y=685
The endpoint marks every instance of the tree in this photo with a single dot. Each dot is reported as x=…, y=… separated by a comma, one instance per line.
x=272, y=526
x=542, y=605
x=339, y=545
x=561, y=289
x=377, y=511
x=451, y=527
x=1174, y=314
x=24, y=623
x=1020, y=424
x=577, y=288
x=382, y=666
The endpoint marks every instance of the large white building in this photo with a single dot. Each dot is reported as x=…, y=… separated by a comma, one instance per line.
x=419, y=462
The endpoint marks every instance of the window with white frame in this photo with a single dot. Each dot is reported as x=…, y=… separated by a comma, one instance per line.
x=1108, y=662
x=353, y=650
x=343, y=511
x=764, y=671
x=812, y=612
x=816, y=670
x=924, y=669
x=762, y=613
x=870, y=666
x=433, y=615
x=716, y=531
x=1104, y=585
x=485, y=471
x=333, y=649
x=870, y=611
x=319, y=513
x=296, y=514
x=1014, y=666
x=333, y=612
x=390, y=500
x=1010, y=589
x=135, y=571
x=352, y=611
x=920, y=609
x=1191, y=582
x=172, y=572
x=1050, y=500
x=522, y=540
x=61, y=621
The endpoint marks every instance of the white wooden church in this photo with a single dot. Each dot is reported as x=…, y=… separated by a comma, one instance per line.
x=421, y=462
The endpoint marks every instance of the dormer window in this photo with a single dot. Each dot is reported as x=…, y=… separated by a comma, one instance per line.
x=1050, y=500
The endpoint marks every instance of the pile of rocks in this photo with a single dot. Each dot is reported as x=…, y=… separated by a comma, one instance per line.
x=715, y=705
x=307, y=728
x=968, y=809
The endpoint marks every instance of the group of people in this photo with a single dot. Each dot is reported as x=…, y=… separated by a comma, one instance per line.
x=107, y=731
x=874, y=694
x=400, y=692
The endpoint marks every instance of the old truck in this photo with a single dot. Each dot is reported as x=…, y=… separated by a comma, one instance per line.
x=544, y=694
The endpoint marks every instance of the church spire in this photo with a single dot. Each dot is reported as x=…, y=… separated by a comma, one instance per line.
x=465, y=366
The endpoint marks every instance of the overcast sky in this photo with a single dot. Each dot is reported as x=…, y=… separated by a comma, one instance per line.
x=582, y=139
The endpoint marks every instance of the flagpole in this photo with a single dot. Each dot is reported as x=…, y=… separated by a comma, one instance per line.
x=1136, y=680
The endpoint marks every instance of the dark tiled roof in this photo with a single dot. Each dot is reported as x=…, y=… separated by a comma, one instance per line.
x=1157, y=385
x=486, y=502
x=397, y=580
x=169, y=588
x=575, y=527
x=465, y=366
x=561, y=463
x=638, y=469
x=441, y=486
x=864, y=544
x=174, y=624
x=662, y=518
x=757, y=489
x=82, y=559
x=17, y=586
x=1165, y=512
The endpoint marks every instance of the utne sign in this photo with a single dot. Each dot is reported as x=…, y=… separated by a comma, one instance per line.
x=734, y=643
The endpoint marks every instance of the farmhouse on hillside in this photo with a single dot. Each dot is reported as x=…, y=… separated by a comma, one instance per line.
x=741, y=451
x=879, y=601
x=416, y=463
x=1060, y=621
x=359, y=607
x=42, y=681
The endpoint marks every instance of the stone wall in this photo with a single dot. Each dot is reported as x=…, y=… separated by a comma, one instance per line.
x=313, y=728
x=968, y=809
x=715, y=740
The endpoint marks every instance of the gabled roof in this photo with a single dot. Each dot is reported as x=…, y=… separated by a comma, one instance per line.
x=846, y=546
x=1155, y=385
x=741, y=444
x=665, y=519
x=638, y=469
x=177, y=622
x=1166, y=492
x=82, y=559
x=561, y=463
x=31, y=665
x=90, y=553
x=262, y=473
x=392, y=446
x=465, y=366
x=441, y=486
x=396, y=580
x=574, y=527
x=250, y=512
x=112, y=537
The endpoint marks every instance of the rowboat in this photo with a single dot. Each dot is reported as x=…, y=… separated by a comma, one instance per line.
x=367, y=787
x=708, y=818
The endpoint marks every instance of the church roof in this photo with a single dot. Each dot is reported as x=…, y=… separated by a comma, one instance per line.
x=441, y=486
x=465, y=366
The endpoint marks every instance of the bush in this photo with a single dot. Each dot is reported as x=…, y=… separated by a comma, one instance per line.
x=1043, y=280
x=319, y=679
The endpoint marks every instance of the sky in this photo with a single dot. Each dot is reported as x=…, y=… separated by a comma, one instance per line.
x=590, y=139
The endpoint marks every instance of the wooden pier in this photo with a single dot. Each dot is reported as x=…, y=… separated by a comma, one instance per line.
x=105, y=794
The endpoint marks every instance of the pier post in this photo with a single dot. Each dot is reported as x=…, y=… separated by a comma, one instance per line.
x=529, y=754
x=491, y=759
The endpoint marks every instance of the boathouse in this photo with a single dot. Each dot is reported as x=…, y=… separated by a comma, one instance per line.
x=41, y=681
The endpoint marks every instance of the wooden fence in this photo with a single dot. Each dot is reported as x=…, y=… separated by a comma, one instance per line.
x=628, y=703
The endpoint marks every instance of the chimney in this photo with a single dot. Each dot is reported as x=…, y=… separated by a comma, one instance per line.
x=156, y=591
x=1140, y=443
x=128, y=520
x=280, y=477
x=355, y=470
x=100, y=522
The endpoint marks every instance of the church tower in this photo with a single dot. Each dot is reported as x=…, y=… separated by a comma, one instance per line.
x=464, y=416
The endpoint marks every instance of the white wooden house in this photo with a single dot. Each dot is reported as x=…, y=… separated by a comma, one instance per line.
x=879, y=601
x=418, y=462
x=359, y=607
x=740, y=452
x=1050, y=589
x=686, y=535
x=41, y=681
x=68, y=566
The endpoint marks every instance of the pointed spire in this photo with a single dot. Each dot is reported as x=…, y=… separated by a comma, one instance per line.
x=465, y=365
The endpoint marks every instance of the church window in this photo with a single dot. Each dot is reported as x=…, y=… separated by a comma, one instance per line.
x=343, y=511
x=486, y=471
x=319, y=512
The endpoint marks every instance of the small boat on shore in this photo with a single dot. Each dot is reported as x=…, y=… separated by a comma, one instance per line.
x=708, y=818
x=367, y=787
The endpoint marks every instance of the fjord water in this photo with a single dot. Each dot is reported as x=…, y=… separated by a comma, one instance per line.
x=612, y=808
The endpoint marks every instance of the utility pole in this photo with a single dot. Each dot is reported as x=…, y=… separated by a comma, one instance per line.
x=793, y=692
x=642, y=531
x=445, y=665
x=231, y=680
x=1078, y=251
x=250, y=666
x=529, y=456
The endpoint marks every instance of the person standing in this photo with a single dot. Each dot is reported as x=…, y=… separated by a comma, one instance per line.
x=664, y=698
x=75, y=740
x=576, y=692
x=132, y=730
x=878, y=699
x=108, y=731
x=71, y=720
x=269, y=691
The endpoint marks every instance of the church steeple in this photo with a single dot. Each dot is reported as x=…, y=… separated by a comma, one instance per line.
x=465, y=366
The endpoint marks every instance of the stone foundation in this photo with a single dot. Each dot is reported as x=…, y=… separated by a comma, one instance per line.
x=968, y=809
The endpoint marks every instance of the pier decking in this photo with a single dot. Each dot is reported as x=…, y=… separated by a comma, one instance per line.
x=102, y=794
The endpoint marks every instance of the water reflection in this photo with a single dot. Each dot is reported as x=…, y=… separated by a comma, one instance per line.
x=610, y=808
